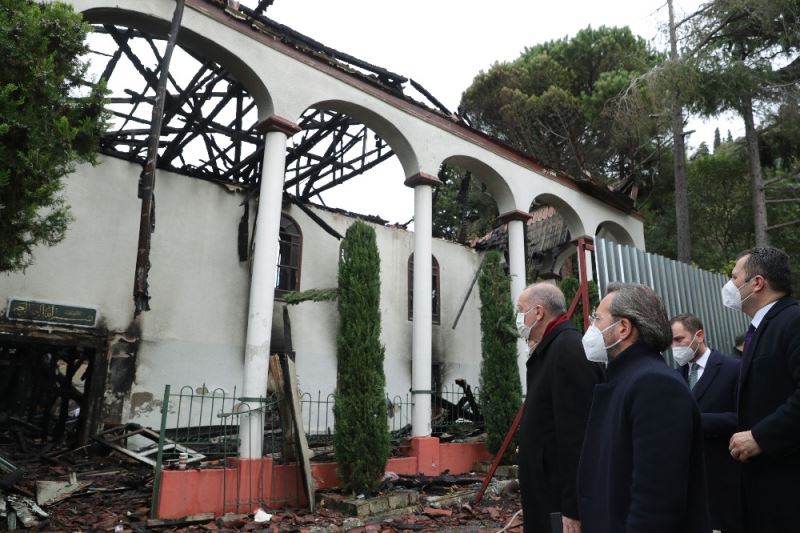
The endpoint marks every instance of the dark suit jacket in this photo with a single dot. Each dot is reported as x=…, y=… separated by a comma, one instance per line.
x=560, y=381
x=641, y=468
x=715, y=394
x=769, y=406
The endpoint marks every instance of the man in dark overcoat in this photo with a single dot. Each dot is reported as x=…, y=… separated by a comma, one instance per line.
x=768, y=442
x=641, y=468
x=713, y=378
x=559, y=382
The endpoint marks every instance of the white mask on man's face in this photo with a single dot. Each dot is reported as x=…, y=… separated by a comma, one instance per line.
x=684, y=354
x=522, y=330
x=594, y=345
x=732, y=295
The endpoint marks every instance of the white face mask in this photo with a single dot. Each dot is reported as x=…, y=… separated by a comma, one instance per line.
x=684, y=354
x=594, y=345
x=732, y=295
x=524, y=331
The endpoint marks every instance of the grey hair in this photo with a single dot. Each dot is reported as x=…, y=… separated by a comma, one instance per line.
x=548, y=296
x=641, y=305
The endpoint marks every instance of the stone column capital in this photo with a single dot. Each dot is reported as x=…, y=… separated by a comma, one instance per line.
x=277, y=123
x=422, y=179
x=516, y=214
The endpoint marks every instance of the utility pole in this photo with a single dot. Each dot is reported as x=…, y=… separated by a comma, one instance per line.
x=679, y=152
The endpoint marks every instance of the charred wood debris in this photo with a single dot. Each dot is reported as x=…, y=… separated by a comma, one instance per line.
x=48, y=485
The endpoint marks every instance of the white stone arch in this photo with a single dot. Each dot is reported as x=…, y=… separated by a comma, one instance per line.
x=613, y=231
x=384, y=128
x=495, y=183
x=566, y=211
x=563, y=256
x=199, y=34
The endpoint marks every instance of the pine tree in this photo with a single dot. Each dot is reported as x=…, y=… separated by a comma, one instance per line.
x=717, y=139
x=361, y=440
x=501, y=392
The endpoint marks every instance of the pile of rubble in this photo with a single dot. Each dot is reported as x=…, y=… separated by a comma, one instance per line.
x=98, y=488
x=43, y=486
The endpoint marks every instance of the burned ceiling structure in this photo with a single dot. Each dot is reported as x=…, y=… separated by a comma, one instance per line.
x=208, y=129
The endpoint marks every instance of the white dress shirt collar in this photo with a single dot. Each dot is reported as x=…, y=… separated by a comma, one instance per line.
x=761, y=313
x=703, y=359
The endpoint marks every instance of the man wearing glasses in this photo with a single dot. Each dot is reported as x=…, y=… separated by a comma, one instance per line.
x=641, y=468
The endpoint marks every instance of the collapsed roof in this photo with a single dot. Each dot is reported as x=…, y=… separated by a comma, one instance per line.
x=209, y=117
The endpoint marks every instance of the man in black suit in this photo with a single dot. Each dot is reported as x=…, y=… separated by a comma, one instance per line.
x=768, y=442
x=560, y=381
x=713, y=378
x=641, y=468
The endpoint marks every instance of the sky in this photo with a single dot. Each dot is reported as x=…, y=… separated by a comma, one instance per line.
x=444, y=44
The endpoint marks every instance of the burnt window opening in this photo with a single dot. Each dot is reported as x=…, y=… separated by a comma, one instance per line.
x=435, y=299
x=52, y=387
x=290, y=247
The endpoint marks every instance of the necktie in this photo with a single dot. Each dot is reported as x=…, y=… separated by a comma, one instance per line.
x=748, y=336
x=693, y=375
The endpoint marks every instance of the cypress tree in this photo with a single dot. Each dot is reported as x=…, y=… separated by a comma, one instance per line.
x=361, y=440
x=501, y=391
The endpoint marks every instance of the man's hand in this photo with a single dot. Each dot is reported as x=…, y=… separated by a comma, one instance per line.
x=743, y=446
x=570, y=525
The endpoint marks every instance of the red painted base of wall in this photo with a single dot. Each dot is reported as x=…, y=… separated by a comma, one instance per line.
x=250, y=483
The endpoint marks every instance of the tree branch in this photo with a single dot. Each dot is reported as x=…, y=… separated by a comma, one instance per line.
x=784, y=224
x=782, y=200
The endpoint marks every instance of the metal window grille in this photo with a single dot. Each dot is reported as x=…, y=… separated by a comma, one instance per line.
x=290, y=244
x=435, y=299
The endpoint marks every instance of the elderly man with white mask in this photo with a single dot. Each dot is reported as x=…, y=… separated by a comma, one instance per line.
x=560, y=382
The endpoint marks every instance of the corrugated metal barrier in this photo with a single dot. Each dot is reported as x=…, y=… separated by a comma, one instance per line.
x=683, y=288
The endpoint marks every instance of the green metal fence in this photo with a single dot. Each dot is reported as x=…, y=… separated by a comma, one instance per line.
x=200, y=427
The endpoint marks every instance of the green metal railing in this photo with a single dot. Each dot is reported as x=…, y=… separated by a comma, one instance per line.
x=207, y=422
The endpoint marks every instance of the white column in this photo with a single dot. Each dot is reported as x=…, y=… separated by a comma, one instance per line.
x=588, y=264
x=262, y=282
x=423, y=312
x=516, y=257
x=515, y=221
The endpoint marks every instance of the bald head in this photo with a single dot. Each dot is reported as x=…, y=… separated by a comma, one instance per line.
x=547, y=295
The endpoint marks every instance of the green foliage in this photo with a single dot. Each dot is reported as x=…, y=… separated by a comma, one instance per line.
x=463, y=209
x=719, y=203
x=501, y=391
x=311, y=295
x=361, y=439
x=45, y=125
x=555, y=102
x=719, y=208
x=719, y=197
x=570, y=286
x=739, y=63
x=780, y=153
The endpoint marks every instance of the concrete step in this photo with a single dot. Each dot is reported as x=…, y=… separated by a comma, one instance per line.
x=364, y=507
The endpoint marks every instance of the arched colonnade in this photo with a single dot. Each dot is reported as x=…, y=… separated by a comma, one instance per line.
x=285, y=82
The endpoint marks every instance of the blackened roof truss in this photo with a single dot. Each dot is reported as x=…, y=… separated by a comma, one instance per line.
x=209, y=118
